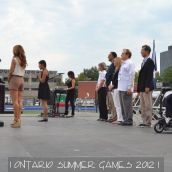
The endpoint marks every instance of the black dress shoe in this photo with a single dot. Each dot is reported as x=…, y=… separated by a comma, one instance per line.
x=127, y=124
x=66, y=113
x=111, y=120
x=123, y=124
x=43, y=120
x=144, y=125
x=130, y=123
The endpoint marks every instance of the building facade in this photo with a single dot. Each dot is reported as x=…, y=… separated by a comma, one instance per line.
x=165, y=59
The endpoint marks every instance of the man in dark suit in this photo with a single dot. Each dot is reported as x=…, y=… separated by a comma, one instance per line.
x=109, y=76
x=146, y=86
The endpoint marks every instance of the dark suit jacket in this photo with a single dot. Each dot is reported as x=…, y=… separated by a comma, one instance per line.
x=109, y=74
x=145, y=79
x=115, y=80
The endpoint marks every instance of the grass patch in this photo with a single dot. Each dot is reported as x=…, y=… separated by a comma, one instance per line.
x=32, y=112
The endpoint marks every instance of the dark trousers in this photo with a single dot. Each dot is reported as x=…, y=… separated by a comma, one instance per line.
x=126, y=106
x=169, y=106
x=102, y=93
x=70, y=98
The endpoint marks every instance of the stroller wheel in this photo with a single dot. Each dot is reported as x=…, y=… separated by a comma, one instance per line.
x=159, y=127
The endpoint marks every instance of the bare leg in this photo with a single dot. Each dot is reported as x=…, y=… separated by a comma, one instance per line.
x=20, y=102
x=45, y=107
x=14, y=97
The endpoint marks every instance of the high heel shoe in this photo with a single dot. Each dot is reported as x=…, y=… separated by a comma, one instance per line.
x=17, y=124
x=14, y=121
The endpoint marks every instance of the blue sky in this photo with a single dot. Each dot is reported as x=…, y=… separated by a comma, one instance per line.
x=77, y=34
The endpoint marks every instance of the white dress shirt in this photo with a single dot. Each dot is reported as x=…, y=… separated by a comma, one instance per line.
x=126, y=76
x=102, y=77
x=144, y=61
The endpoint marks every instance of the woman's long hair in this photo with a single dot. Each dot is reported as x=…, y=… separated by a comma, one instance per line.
x=118, y=63
x=71, y=74
x=19, y=52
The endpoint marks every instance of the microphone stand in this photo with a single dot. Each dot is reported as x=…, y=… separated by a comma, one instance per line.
x=55, y=76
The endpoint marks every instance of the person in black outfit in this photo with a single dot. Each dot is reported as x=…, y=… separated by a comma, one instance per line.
x=146, y=86
x=70, y=93
x=102, y=92
x=115, y=80
x=109, y=78
x=168, y=104
x=44, y=90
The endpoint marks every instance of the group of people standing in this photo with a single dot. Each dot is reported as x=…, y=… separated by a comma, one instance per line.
x=44, y=91
x=115, y=88
x=16, y=86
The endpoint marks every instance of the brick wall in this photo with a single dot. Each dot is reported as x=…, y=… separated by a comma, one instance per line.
x=85, y=88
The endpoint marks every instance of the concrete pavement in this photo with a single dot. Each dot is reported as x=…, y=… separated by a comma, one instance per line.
x=80, y=136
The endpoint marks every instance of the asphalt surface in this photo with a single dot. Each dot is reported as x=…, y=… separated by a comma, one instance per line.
x=81, y=136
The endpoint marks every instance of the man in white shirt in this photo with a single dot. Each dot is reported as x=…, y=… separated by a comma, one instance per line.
x=126, y=87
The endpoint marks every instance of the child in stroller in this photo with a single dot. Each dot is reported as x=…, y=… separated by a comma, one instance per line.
x=165, y=121
x=168, y=103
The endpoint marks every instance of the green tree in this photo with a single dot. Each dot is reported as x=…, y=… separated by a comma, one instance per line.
x=59, y=82
x=92, y=73
x=158, y=77
x=82, y=77
x=167, y=76
x=136, y=77
x=89, y=74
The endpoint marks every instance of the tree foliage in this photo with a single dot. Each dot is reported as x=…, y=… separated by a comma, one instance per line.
x=158, y=78
x=167, y=76
x=89, y=74
x=136, y=77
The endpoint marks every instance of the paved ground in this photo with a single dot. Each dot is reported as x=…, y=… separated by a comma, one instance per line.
x=80, y=136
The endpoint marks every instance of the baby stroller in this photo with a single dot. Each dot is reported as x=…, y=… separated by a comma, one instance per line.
x=57, y=103
x=163, y=124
